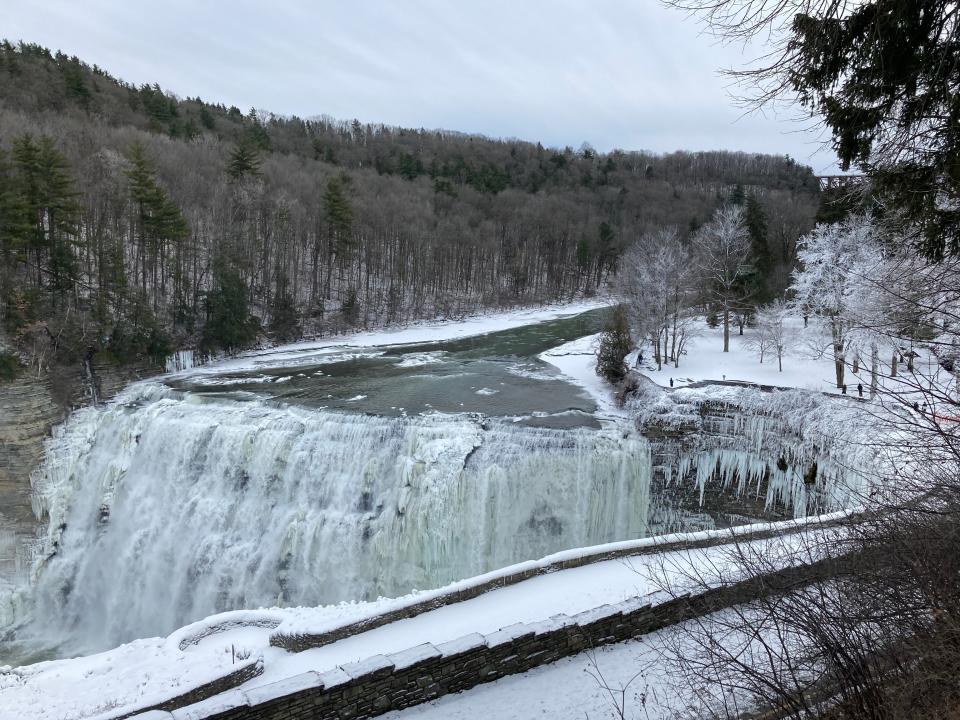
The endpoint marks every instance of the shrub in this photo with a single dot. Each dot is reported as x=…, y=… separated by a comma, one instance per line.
x=9, y=366
x=615, y=343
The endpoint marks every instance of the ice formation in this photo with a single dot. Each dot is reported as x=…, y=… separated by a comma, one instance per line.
x=164, y=507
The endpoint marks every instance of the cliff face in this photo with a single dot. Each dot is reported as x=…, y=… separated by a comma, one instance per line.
x=27, y=412
x=30, y=406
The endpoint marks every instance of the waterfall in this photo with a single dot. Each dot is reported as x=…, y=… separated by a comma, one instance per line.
x=164, y=507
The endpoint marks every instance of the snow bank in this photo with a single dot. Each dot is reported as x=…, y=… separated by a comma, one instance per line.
x=313, y=351
x=577, y=360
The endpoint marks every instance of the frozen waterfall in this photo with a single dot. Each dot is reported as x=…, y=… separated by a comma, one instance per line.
x=165, y=507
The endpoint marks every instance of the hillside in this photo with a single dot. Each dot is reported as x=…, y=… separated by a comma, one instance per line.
x=133, y=222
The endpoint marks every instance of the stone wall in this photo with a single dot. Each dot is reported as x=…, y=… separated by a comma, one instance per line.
x=245, y=672
x=381, y=683
x=525, y=571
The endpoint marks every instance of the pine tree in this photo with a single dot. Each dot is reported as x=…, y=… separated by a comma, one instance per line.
x=14, y=222
x=615, y=343
x=737, y=195
x=159, y=222
x=284, y=316
x=244, y=161
x=62, y=213
x=73, y=78
x=257, y=133
x=761, y=261
x=50, y=205
x=229, y=325
x=606, y=254
x=338, y=214
x=207, y=119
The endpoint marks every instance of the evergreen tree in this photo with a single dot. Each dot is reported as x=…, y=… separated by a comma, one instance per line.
x=62, y=213
x=761, y=261
x=606, y=255
x=338, y=214
x=244, y=161
x=284, y=317
x=50, y=205
x=257, y=133
x=737, y=195
x=73, y=78
x=583, y=255
x=615, y=343
x=207, y=119
x=229, y=326
x=14, y=222
x=9, y=57
x=158, y=219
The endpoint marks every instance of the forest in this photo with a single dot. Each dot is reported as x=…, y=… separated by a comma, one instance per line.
x=134, y=222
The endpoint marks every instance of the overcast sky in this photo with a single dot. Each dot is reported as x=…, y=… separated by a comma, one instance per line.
x=615, y=73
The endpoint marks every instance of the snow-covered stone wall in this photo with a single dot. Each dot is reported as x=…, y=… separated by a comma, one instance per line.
x=382, y=683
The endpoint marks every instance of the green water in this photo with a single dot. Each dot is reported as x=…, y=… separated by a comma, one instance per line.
x=497, y=374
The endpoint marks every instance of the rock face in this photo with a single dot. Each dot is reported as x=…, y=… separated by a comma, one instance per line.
x=27, y=412
x=30, y=406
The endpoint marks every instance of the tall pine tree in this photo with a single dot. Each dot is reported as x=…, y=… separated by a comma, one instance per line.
x=50, y=204
x=159, y=224
x=244, y=161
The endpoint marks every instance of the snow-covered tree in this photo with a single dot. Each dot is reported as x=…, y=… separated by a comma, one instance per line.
x=657, y=284
x=722, y=246
x=772, y=332
x=840, y=265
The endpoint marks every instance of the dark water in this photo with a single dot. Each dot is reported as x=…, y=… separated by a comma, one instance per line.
x=497, y=374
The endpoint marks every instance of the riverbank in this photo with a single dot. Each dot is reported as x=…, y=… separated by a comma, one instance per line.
x=308, y=351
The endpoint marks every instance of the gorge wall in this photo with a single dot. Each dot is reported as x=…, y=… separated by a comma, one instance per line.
x=30, y=406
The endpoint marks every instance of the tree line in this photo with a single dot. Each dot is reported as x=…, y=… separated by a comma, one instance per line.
x=133, y=222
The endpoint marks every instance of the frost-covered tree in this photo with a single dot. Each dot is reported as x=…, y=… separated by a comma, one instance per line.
x=721, y=248
x=772, y=332
x=839, y=266
x=657, y=284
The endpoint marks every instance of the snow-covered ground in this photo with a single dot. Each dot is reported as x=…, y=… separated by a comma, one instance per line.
x=148, y=671
x=807, y=365
x=312, y=351
x=704, y=359
x=577, y=360
x=570, y=688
